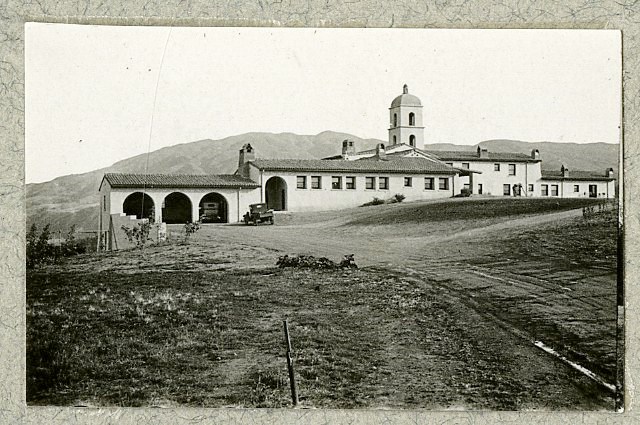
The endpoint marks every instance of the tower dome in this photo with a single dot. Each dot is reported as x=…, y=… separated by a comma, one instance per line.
x=405, y=115
x=405, y=99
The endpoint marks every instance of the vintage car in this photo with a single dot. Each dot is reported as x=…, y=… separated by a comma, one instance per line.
x=258, y=213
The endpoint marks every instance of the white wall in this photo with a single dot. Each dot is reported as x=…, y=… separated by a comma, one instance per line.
x=566, y=188
x=492, y=181
x=238, y=200
x=327, y=198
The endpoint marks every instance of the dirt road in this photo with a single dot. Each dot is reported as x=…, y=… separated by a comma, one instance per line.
x=514, y=303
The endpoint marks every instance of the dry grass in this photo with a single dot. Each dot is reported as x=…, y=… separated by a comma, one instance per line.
x=201, y=325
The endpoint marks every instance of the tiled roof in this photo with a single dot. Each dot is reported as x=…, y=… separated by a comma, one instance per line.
x=575, y=175
x=179, y=180
x=473, y=156
x=364, y=165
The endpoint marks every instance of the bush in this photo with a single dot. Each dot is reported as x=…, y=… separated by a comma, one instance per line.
x=190, y=229
x=464, y=193
x=398, y=197
x=138, y=234
x=40, y=251
x=376, y=201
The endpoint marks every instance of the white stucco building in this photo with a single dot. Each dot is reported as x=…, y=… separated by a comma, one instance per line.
x=349, y=179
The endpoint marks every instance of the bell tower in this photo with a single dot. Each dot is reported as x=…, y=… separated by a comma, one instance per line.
x=405, y=116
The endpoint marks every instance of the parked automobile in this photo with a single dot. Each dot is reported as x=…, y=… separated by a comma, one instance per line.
x=258, y=213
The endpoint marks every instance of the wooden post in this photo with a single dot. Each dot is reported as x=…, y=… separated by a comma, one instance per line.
x=292, y=377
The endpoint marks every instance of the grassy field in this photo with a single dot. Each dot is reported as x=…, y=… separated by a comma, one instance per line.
x=475, y=209
x=201, y=324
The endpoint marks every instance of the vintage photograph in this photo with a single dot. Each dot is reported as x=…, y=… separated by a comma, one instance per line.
x=239, y=217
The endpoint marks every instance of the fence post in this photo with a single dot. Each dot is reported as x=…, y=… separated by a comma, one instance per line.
x=292, y=378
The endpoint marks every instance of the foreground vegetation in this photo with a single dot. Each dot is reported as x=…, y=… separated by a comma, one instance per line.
x=201, y=325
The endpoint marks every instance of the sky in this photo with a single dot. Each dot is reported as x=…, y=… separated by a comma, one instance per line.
x=99, y=94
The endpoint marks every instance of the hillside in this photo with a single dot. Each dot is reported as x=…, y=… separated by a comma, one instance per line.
x=72, y=199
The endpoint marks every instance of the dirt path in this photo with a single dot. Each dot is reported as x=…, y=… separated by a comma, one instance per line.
x=522, y=308
x=372, y=245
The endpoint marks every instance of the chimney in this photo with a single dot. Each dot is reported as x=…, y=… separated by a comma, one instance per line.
x=609, y=173
x=348, y=148
x=482, y=153
x=247, y=154
x=535, y=154
x=564, y=171
x=380, y=152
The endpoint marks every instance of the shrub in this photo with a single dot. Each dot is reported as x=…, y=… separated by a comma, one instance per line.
x=375, y=201
x=190, y=229
x=464, y=193
x=398, y=197
x=138, y=234
x=40, y=251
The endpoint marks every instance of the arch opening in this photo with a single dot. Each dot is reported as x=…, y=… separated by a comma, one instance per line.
x=176, y=208
x=139, y=204
x=395, y=120
x=412, y=118
x=213, y=208
x=276, y=194
x=412, y=140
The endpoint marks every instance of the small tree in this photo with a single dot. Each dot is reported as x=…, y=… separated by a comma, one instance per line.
x=138, y=234
x=190, y=229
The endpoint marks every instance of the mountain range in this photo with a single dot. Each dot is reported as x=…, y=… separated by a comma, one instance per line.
x=72, y=199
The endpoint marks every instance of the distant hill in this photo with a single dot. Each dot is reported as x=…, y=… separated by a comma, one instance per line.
x=73, y=199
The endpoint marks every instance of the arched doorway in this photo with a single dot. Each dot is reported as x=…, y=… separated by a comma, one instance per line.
x=139, y=204
x=276, y=194
x=213, y=208
x=176, y=209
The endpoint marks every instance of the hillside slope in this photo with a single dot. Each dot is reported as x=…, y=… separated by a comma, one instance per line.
x=72, y=199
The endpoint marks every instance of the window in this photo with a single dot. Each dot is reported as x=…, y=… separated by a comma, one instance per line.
x=395, y=120
x=544, y=189
x=479, y=188
x=370, y=183
x=506, y=189
x=443, y=183
x=104, y=202
x=412, y=140
x=316, y=182
x=512, y=169
x=496, y=167
x=554, y=190
x=530, y=188
x=412, y=118
x=466, y=186
x=302, y=182
x=383, y=182
x=408, y=182
x=450, y=164
x=394, y=140
x=576, y=188
x=336, y=182
x=428, y=183
x=350, y=183
x=465, y=165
